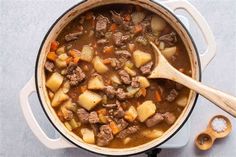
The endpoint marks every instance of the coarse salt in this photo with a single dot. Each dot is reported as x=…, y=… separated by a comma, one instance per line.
x=219, y=124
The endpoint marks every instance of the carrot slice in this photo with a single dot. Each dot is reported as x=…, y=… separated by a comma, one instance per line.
x=113, y=27
x=138, y=29
x=68, y=60
x=76, y=59
x=108, y=49
x=54, y=45
x=158, y=96
x=83, y=88
x=143, y=91
x=106, y=61
x=114, y=127
x=74, y=53
x=102, y=111
x=127, y=17
x=52, y=56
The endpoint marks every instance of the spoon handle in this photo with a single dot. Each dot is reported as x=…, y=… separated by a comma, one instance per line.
x=221, y=99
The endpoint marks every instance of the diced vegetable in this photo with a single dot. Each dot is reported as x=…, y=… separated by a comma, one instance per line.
x=114, y=78
x=60, y=50
x=143, y=81
x=161, y=45
x=141, y=58
x=113, y=27
x=60, y=63
x=129, y=64
x=131, y=47
x=66, y=87
x=67, y=125
x=114, y=127
x=168, y=52
x=143, y=91
x=59, y=97
x=130, y=71
x=101, y=115
x=70, y=106
x=182, y=101
x=108, y=49
x=104, y=99
x=146, y=110
x=88, y=135
x=50, y=94
x=152, y=133
x=138, y=29
x=137, y=17
x=127, y=140
x=131, y=114
x=96, y=83
x=89, y=99
x=54, y=45
x=99, y=66
x=131, y=91
x=52, y=56
x=73, y=124
x=54, y=81
x=67, y=114
x=86, y=53
x=158, y=96
x=157, y=24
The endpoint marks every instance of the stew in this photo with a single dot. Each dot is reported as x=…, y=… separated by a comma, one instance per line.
x=96, y=76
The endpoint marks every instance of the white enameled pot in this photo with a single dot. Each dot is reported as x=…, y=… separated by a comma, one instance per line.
x=37, y=83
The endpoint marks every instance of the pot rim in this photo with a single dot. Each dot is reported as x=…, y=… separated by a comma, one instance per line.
x=64, y=136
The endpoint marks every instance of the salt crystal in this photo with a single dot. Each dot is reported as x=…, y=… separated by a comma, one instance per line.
x=219, y=124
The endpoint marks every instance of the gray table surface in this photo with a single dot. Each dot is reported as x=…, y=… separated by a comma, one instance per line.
x=23, y=25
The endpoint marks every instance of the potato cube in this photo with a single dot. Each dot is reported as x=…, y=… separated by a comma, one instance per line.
x=89, y=99
x=87, y=135
x=169, y=52
x=86, y=53
x=152, y=133
x=141, y=58
x=131, y=114
x=157, y=24
x=99, y=66
x=114, y=78
x=58, y=98
x=144, y=83
x=182, y=101
x=54, y=81
x=130, y=71
x=96, y=83
x=146, y=110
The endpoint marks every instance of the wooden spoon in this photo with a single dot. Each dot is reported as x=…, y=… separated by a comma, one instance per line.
x=163, y=69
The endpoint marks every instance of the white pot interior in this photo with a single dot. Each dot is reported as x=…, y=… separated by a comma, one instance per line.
x=62, y=22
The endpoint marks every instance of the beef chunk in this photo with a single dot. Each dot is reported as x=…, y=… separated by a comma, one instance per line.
x=116, y=18
x=130, y=130
x=73, y=36
x=125, y=38
x=49, y=66
x=117, y=38
x=120, y=94
x=172, y=95
x=169, y=118
x=101, y=26
x=110, y=91
x=93, y=117
x=74, y=74
x=102, y=41
x=135, y=83
x=170, y=39
x=105, y=136
x=123, y=53
x=124, y=77
x=119, y=112
x=146, y=69
x=122, y=124
x=83, y=115
x=154, y=120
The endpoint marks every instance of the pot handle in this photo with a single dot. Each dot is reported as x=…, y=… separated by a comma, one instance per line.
x=210, y=51
x=58, y=143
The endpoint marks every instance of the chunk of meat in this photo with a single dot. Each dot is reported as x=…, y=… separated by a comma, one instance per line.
x=49, y=66
x=102, y=41
x=74, y=74
x=73, y=36
x=129, y=131
x=135, y=82
x=154, y=120
x=123, y=53
x=83, y=116
x=105, y=136
x=120, y=94
x=116, y=18
x=101, y=26
x=117, y=38
x=122, y=124
x=110, y=91
x=172, y=95
x=170, y=39
x=95, y=128
x=124, y=77
x=119, y=112
x=169, y=118
x=93, y=117
x=146, y=69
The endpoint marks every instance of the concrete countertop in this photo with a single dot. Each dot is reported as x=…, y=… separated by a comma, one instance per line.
x=23, y=25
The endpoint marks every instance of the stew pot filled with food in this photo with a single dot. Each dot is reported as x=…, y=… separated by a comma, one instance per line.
x=92, y=76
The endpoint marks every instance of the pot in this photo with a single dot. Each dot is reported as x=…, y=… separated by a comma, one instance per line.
x=37, y=83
